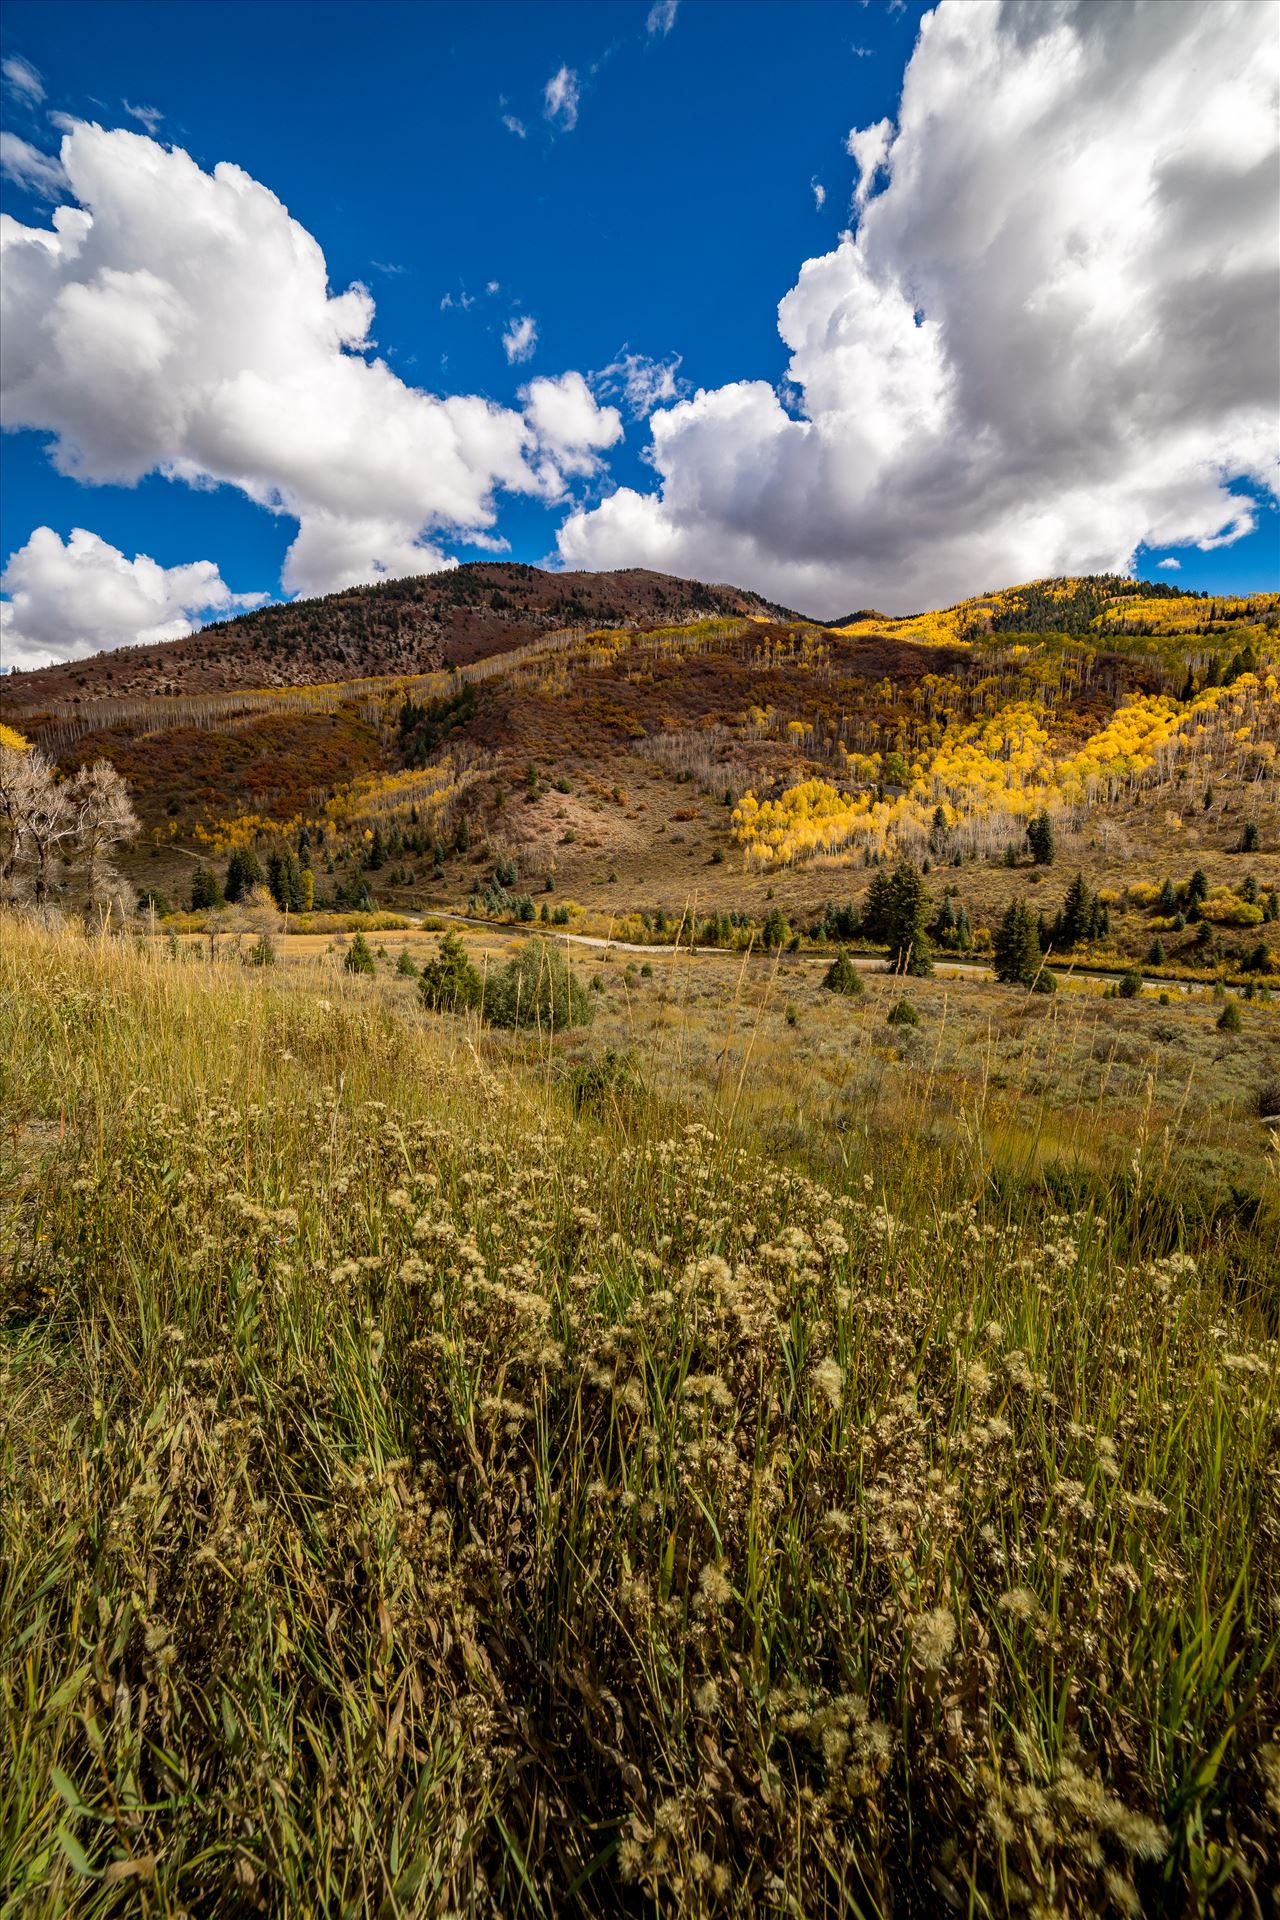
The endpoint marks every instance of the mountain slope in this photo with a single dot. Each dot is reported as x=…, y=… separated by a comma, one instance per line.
x=398, y=626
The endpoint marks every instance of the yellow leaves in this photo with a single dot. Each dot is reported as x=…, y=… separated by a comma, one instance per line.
x=374, y=796
x=1002, y=764
x=15, y=741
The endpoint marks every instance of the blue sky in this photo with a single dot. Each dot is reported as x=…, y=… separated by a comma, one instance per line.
x=663, y=212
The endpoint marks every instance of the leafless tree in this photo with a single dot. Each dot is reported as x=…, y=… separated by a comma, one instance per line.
x=58, y=834
x=105, y=820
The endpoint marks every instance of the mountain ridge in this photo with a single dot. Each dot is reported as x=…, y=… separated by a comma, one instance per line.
x=410, y=625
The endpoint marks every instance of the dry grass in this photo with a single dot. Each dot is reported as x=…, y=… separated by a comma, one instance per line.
x=417, y=1500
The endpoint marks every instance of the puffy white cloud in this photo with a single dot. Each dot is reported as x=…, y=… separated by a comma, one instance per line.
x=1051, y=337
x=332, y=549
x=68, y=601
x=662, y=16
x=570, y=423
x=180, y=321
x=819, y=193
x=28, y=167
x=520, y=339
x=1174, y=566
x=22, y=79
x=560, y=99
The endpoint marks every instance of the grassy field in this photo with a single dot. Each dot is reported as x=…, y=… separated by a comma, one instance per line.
x=436, y=1481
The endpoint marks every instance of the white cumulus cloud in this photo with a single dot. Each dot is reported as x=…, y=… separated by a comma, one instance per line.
x=520, y=339
x=180, y=322
x=68, y=600
x=560, y=99
x=1174, y=566
x=570, y=423
x=1050, y=338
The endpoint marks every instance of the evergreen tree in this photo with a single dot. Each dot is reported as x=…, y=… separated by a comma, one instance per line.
x=1155, y=954
x=1079, y=916
x=205, y=891
x=1040, y=839
x=908, y=941
x=358, y=957
x=449, y=981
x=1168, y=898
x=842, y=976
x=1017, y=945
x=377, y=854
x=776, y=931
x=284, y=877
x=243, y=873
x=876, y=910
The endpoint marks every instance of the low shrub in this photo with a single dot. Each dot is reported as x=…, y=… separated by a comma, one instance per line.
x=537, y=988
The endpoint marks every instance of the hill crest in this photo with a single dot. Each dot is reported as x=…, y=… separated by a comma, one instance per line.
x=413, y=625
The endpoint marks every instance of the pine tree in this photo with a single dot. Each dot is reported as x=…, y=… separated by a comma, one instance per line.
x=1078, y=918
x=908, y=941
x=1017, y=945
x=243, y=873
x=205, y=891
x=876, y=910
x=1040, y=839
x=842, y=976
x=776, y=931
x=358, y=957
x=449, y=981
